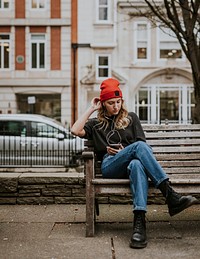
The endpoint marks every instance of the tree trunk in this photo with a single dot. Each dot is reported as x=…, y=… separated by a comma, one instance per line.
x=197, y=110
x=196, y=81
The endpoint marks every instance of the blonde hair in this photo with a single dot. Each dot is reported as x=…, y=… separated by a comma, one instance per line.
x=122, y=120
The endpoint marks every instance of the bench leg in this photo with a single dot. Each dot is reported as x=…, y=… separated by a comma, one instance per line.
x=90, y=217
x=90, y=199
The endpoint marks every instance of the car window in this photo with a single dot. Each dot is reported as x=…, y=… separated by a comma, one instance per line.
x=13, y=128
x=39, y=129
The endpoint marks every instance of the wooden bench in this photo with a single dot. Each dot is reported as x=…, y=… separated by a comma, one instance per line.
x=176, y=147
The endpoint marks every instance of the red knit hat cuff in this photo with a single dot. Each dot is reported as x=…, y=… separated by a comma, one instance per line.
x=110, y=95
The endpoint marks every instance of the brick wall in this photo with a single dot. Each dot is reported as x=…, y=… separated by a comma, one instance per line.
x=41, y=188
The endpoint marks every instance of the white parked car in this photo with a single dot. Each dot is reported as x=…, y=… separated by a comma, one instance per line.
x=36, y=140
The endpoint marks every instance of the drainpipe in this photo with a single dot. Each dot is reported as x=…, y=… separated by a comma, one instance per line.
x=75, y=47
x=74, y=39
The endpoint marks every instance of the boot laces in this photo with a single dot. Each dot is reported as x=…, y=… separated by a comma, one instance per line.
x=172, y=193
x=138, y=223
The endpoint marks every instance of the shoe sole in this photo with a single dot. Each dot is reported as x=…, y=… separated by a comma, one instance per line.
x=138, y=245
x=186, y=205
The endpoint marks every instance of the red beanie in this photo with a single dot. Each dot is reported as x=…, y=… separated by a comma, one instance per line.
x=110, y=89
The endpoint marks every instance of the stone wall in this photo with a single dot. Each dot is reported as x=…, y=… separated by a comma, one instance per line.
x=41, y=188
x=55, y=187
x=38, y=187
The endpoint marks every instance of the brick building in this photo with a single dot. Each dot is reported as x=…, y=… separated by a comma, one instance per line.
x=35, y=57
x=54, y=54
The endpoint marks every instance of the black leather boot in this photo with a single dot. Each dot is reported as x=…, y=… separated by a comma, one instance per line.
x=139, y=238
x=176, y=202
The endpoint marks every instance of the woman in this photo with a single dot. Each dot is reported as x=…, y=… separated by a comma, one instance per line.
x=120, y=142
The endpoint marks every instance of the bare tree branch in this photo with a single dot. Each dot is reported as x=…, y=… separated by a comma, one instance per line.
x=183, y=18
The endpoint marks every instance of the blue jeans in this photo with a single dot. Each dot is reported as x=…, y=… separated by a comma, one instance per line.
x=137, y=163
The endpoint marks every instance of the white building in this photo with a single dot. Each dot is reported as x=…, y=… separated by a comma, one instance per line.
x=154, y=74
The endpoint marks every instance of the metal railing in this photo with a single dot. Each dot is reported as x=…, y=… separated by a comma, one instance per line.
x=46, y=150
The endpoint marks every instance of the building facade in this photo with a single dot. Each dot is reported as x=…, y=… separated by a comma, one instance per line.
x=55, y=53
x=35, y=57
x=154, y=74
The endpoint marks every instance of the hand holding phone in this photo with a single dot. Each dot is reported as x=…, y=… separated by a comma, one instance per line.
x=113, y=149
x=115, y=146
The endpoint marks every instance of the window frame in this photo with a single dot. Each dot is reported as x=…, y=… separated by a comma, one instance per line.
x=158, y=33
x=108, y=8
x=3, y=41
x=136, y=41
x=44, y=130
x=2, y=5
x=38, y=42
x=37, y=8
x=185, y=104
x=103, y=66
x=13, y=128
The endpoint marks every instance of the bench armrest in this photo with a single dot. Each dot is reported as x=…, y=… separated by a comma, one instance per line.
x=88, y=155
x=89, y=161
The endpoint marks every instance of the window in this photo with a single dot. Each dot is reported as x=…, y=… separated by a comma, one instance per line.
x=38, y=4
x=37, y=51
x=39, y=129
x=103, y=67
x=12, y=128
x=142, y=102
x=4, y=4
x=169, y=46
x=190, y=103
x=156, y=104
x=102, y=10
x=4, y=51
x=142, y=39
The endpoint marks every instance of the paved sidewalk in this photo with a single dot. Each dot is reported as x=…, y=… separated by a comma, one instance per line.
x=58, y=231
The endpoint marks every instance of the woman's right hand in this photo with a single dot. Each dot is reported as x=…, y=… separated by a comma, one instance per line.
x=113, y=151
x=96, y=103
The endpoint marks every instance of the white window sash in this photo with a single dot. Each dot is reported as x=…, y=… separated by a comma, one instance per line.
x=107, y=7
x=143, y=41
x=3, y=4
x=153, y=104
x=38, y=8
x=38, y=41
x=4, y=43
x=165, y=41
x=108, y=67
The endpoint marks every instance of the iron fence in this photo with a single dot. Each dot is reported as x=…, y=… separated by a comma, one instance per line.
x=44, y=149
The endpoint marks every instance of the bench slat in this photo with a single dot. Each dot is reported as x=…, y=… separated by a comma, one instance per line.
x=182, y=170
x=181, y=179
x=173, y=142
x=177, y=156
x=178, y=149
x=171, y=127
x=170, y=135
x=176, y=163
x=123, y=190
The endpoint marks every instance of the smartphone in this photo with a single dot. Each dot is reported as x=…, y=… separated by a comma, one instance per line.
x=116, y=146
